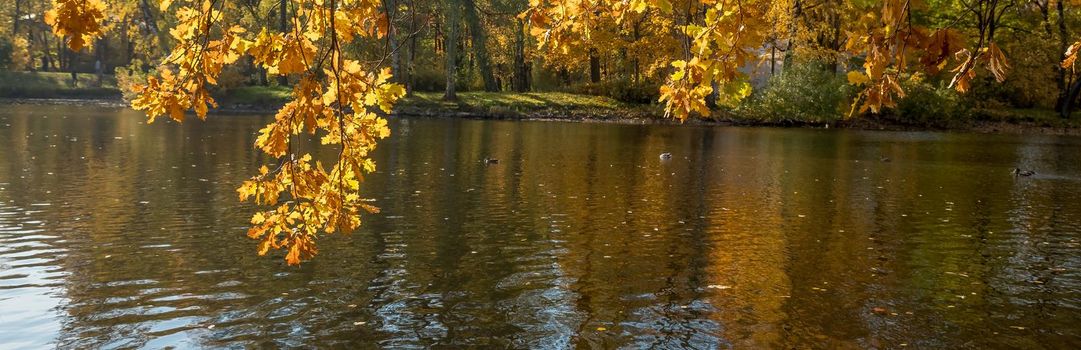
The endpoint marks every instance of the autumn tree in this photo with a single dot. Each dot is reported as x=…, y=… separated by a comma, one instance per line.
x=479, y=40
x=451, y=28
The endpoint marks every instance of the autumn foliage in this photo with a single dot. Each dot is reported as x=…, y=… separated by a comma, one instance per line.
x=702, y=48
x=335, y=98
x=724, y=36
x=78, y=20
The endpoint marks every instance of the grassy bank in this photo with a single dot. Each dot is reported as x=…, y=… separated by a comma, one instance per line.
x=56, y=85
x=473, y=104
x=551, y=106
x=567, y=106
x=531, y=105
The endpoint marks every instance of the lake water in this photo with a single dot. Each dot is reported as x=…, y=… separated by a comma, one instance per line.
x=117, y=234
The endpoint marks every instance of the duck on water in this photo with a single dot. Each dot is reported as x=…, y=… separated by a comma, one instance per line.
x=1025, y=173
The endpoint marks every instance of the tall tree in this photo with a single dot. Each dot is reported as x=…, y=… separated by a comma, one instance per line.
x=391, y=7
x=480, y=45
x=594, y=66
x=520, y=76
x=411, y=57
x=17, y=14
x=1063, y=39
x=283, y=27
x=450, y=47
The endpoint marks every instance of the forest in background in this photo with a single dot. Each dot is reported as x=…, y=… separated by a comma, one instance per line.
x=799, y=74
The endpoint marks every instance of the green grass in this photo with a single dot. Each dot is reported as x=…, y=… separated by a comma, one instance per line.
x=255, y=96
x=555, y=105
x=517, y=101
x=504, y=104
x=55, y=85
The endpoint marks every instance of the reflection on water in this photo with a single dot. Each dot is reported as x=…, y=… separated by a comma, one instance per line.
x=118, y=234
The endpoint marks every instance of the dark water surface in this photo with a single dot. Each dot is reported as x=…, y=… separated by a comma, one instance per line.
x=116, y=234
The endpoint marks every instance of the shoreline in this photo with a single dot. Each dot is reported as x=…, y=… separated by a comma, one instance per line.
x=637, y=115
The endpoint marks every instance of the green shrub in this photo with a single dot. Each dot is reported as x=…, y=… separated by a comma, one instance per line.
x=1018, y=91
x=231, y=77
x=927, y=103
x=807, y=92
x=55, y=85
x=1030, y=81
x=621, y=90
x=255, y=96
x=128, y=77
x=7, y=48
x=428, y=78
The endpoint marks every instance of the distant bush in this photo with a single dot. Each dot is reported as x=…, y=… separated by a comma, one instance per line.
x=19, y=58
x=231, y=77
x=621, y=90
x=1030, y=81
x=1018, y=91
x=930, y=103
x=807, y=92
x=128, y=77
x=7, y=47
x=54, y=85
x=255, y=96
x=428, y=78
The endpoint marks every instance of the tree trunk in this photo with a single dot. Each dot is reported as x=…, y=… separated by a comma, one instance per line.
x=261, y=77
x=793, y=29
x=450, y=48
x=71, y=66
x=480, y=45
x=392, y=39
x=1061, y=76
x=634, y=60
x=520, y=83
x=99, y=60
x=61, y=57
x=412, y=57
x=1071, y=97
x=15, y=22
x=283, y=26
x=564, y=76
x=594, y=66
x=46, y=56
x=125, y=42
x=152, y=26
x=772, y=59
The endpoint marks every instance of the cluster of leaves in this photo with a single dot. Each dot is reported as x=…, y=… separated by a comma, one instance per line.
x=78, y=20
x=335, y=98
x=1071, y=55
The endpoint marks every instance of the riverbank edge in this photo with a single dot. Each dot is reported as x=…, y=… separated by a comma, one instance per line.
x=632, y=115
